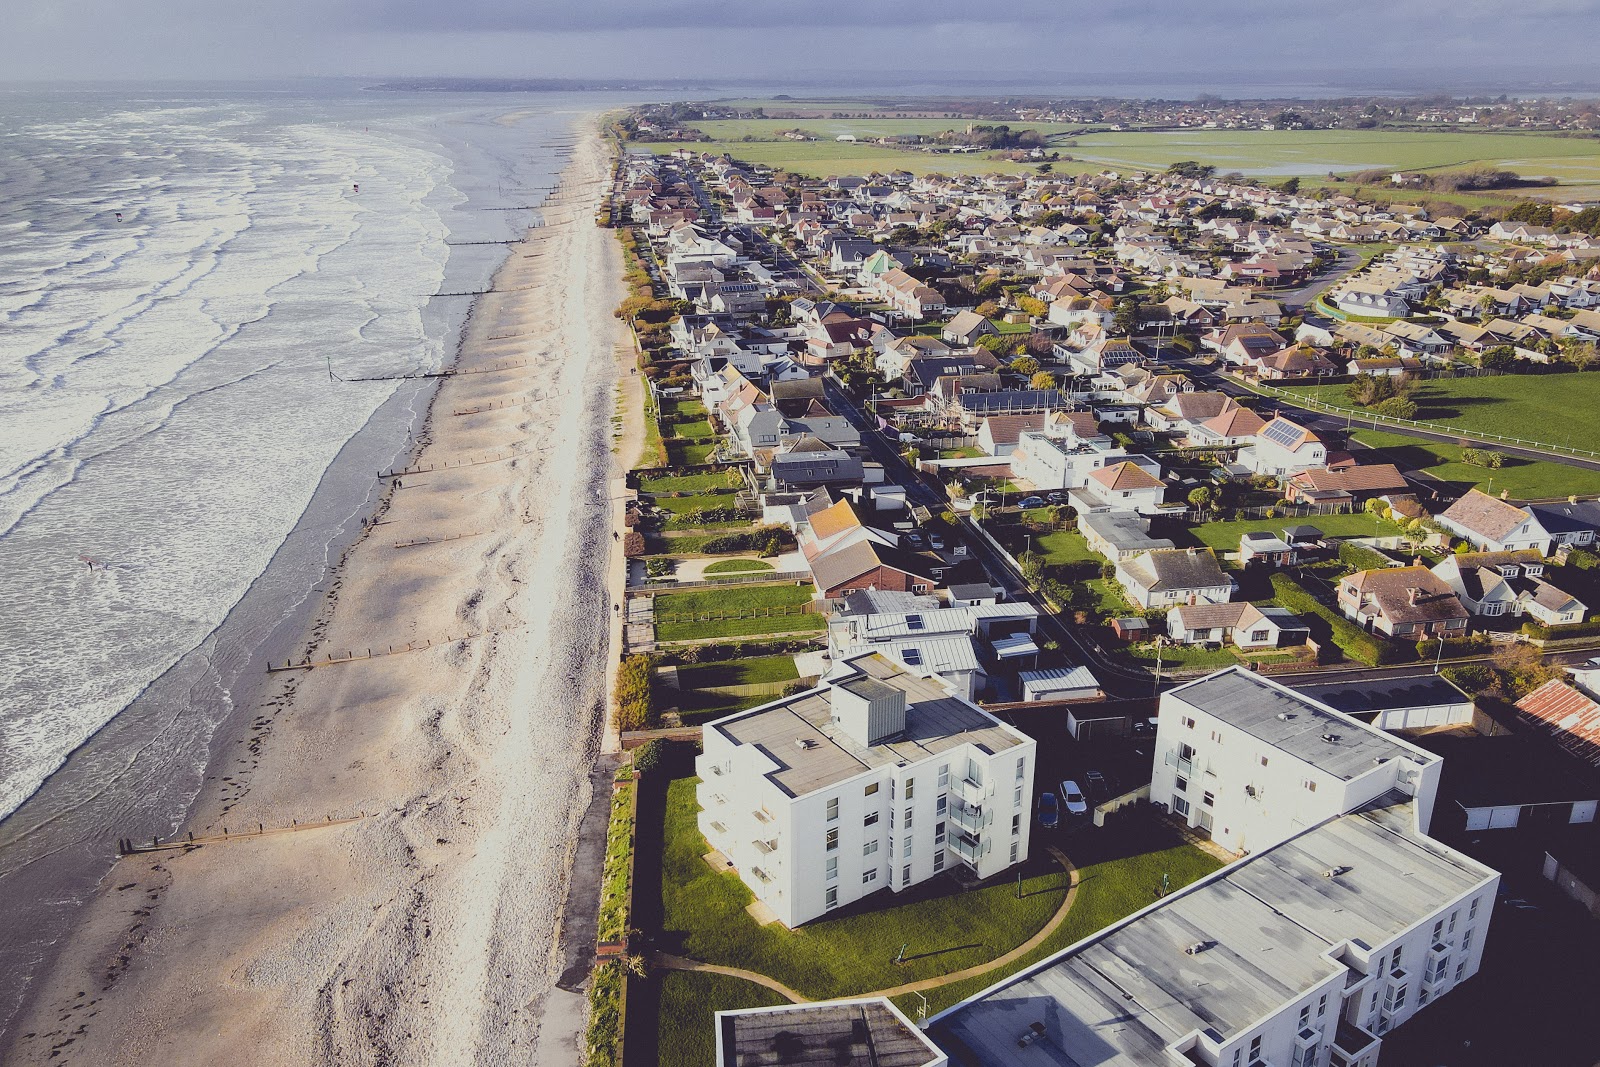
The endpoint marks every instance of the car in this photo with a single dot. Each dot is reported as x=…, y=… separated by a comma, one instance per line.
x=1592, y=661
x=1049, y=812
x=1031, y=502
x=916, y=540
x=1057, y=497
x=1096, y=783
x=936, y=541
x=1073, y=798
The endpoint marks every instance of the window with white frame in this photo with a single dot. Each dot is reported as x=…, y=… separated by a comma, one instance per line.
x=833, y=839
x=869, y=848
x=833, y=867
x=938, y=833
x=831, y=897
x=833, y=809
x=1015, y=845
x=911, y=788
x=869, y=875
x=908, y=818
x=944, y=777
x=938, y=861
x=905, y=875
x=941, y=805
x=870, y=819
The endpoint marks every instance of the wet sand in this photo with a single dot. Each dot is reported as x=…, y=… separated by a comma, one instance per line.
x=430, y=931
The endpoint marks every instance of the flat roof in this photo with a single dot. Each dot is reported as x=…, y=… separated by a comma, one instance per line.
x=1118, y=998
x=1512, y=769
x=1369, y=696
x=935, y=722
x=865, y=1032
x=1254, y=705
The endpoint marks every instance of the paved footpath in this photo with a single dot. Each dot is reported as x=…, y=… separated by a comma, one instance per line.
x=679, y=963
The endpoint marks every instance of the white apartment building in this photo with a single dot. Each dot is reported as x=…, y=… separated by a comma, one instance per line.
x=877, y=779
x=1251, y=762
x=1051, y=462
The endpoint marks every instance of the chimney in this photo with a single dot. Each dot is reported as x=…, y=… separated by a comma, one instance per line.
x=1412, y=594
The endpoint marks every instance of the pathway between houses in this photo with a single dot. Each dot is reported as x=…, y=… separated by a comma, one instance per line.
x=678, y=963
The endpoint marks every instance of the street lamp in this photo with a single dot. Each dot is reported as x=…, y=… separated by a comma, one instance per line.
x=1160, y=643
x=1440, y=655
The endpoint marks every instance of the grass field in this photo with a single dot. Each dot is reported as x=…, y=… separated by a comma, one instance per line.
x=1551, y=409
x=1523, y=479
x=1120, y=870
x=678, y=505
x=683, y=454
x=733, y=600
x=739, y=672
x=851, y=952
x=690, y=483
x=697, y=428
x=1261, y=153
x=1224, y=536
x=738, y=566
x=690, y=1000
x=1178, y=657
x=1055, y=548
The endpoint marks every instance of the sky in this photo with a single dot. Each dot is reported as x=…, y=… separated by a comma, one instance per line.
x=1444, y=43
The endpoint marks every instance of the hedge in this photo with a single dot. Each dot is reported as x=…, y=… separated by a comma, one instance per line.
x=1361, y=558
x=1349, y=638
x=1542, y=632
x=758, y=540
x=636, y=708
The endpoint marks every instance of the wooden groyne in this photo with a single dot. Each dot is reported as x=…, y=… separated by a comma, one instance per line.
x=330, y=659
x=421, y=541
x=449, y=464
x=127, y=846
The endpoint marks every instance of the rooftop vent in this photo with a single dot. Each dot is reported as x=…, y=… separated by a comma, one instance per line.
x=805, y=742
x=1285, y=715
x=1335, y=871
x=1197, y=947
x=1332, y=739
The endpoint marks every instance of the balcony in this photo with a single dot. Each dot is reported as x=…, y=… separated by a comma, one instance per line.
x=766, y=879
x=766, y=847
x=968, y=848
x=1185, y=766
x=968, y=817
x=970, y=792
x=1351, y=1041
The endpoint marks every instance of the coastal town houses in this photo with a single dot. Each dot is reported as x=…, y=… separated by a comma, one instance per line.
x=845, y=554
x=961, y=644
x=1168, y=577
x=1123, y=486
x=1051, y=460
x=1408, y=603
x=1495, y=584
x=1282, y=448
x=877, y=779
x=1243, y=624
x=1493, y=525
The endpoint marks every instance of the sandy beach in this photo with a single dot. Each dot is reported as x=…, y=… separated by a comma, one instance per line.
x=434, y=930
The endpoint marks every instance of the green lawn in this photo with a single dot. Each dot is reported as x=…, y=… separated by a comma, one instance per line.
x=737, y=566
x=682, y=405
x=1224, y=536
x=769, y=129
x=1056, y=547
x=697, y=706
x=697, y=428
x=618, y=866
x=690, y=1000
x=739, y=672
x=690, y=483
x=679, y=505
x=1179, y=657
x=683, y=454
x=943, y=929
x=1539, y=408
x=752, y=600
x=823, y=159
x=1523, y=479
x=682, y=544
x=1120, y=870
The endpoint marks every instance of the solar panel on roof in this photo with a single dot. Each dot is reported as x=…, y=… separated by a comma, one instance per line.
x=1281, y=433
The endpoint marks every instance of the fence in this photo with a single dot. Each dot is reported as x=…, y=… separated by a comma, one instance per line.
x=745, y=613
x=1440, y=428
x=669, y=586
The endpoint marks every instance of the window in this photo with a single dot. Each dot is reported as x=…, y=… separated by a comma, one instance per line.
x=1472, y=909
x=871, y=819
x=941, y=804
x=1188, y=722
x=1016, y=796
x=1394, y=998
x=1208, y=799
x=1014, y=846
x=1398, y=949
x=1180, y=805
x=1016, y=825
x=833, y=839
x=938, y=861
x=891, y=789
x=944, y=777
x=905, y=875
x=1216, y=735
x=833, y=808
x=831, y=898
x=1238, y=1057
x=1022, y=763
x=1263, y=761
x=871, y=789
x=1305, y=1016
x=1466, y=941
x=869, y=876
x=1257, y=636
x=1181, y=784
x=1461, y=970
x=1186, y=752
x=1310, y=785
x=938, y=833
x=1322, y=1005
x=891, y=848
x=869, y=848
x=911, y=788
x=905, y=848
x=891, y=818
x=1255, y=1048
x=833, y=867
x=908, y=818
x=1438, y=930
x=1453, y=915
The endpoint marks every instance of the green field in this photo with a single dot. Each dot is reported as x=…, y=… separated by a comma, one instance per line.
x=1549, y=409
x=1522, y=479
x=1224, y=536
x=1261, y=153
x=942, y=928
x=686, y=1031
x=749, y=671
x=751, y=600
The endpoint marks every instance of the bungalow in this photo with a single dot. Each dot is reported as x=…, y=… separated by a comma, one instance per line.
x=1167, y=577
x=1494, y=584
x=845, y=555
x=998, y=435
x=1283, y=448
x=1493, y=525
x=1187, y=410
x=1409, y=603
x=1246, y=625
x=1119, y=535
x=1235, y=426
x=1352, y=484
x=1374, y=301
x=1060, y=683
x=966, y=327
x=1573, y=522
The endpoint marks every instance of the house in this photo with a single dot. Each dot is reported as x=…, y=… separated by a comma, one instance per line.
x=966, y=327
x=1398, y=701
x=1246, y=625
x=1048, y=462
x=1185, y=411
x=1492, y=583
x=876, y=779
x=1283, y=447
x=1167, y=577
x=810, y=463
x=1265, y=547
x=998, y=434
x=844, y=555
x=1409, y=603
x=1371, y=300
x=1235, y=426
x=1352, y=484
x=1060, y=683
x=1123, y=486
x=956, y=644
x=1573, y=522
x=1119, y=535
x=1493, y=525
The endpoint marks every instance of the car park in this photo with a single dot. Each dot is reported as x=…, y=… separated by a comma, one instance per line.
x=1049, y=813
x=1071, y=796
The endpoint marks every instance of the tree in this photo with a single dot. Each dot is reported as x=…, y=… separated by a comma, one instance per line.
x=1397, y=407
x=1500, y=357
x=1026, y=366
x=1200, y=499
x=1042, y=380
x=1126, y=316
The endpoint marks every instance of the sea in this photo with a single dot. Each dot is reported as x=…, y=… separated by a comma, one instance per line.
x=214, y=307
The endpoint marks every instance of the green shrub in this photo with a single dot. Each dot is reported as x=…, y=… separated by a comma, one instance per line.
x=636, y=708
x=759, y=539
x=1361, y=558
x=604, y=1033
x=1347, y=637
